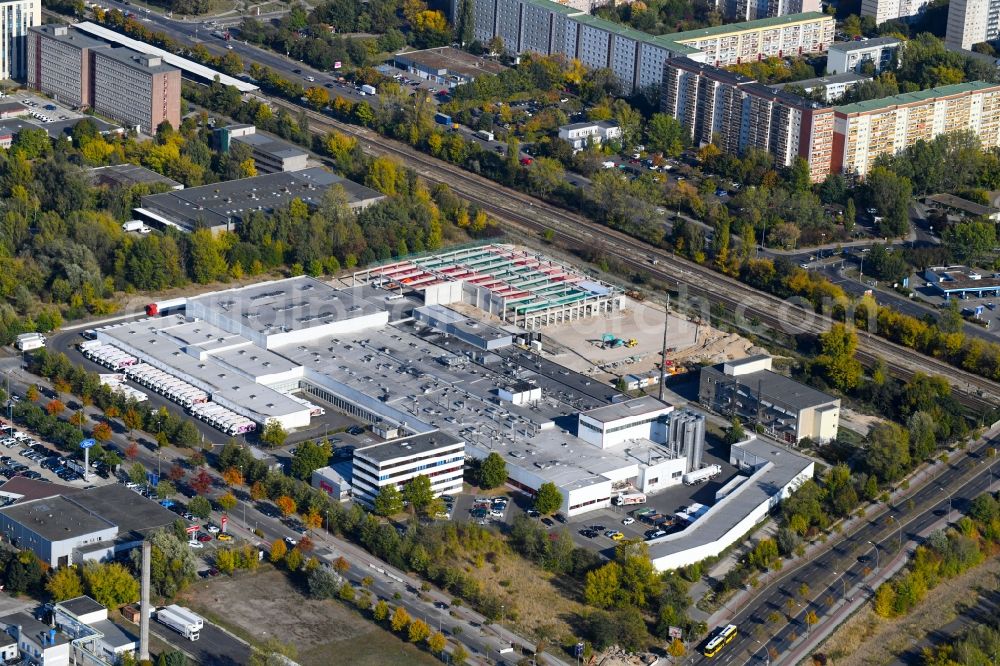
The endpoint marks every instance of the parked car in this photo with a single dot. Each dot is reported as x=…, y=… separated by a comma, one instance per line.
x=224, y=537
x=195, y=544
x=628, y=521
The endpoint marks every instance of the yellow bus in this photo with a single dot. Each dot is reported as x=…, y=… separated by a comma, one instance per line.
x=723, y=637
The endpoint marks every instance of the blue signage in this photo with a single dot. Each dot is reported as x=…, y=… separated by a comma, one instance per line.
x=87, y=443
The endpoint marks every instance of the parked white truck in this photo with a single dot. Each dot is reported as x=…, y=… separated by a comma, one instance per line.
x=627, y=499
x=700, y=475
x=181, y=620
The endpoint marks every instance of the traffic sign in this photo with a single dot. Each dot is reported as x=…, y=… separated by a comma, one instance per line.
x=224, y=521
x=87, y=443
x=192, y=529
x=675, y=632
x=579, y=650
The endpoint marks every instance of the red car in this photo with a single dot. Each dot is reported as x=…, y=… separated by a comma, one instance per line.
x=204, y=538
x=526, y=161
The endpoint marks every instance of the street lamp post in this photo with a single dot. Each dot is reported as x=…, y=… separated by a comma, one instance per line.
x=875, y=547
x=842, y=580
x=899, y=533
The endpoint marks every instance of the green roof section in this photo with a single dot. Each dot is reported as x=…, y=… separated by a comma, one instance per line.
x=913, y=97
x=725, y=29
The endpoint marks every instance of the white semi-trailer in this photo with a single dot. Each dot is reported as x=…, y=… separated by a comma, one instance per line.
x=700, y=475
x=181, y=620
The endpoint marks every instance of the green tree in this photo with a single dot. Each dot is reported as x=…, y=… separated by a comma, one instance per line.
x=137, y=473
x=888, y=454
x=492, y=471
x=207, y=261
x=837, y=358
x=309, y=456
x=110, y=584
x=227, y=502
x=545, y=175
x=64, y=583
x=850, y=215
x=200, y=507
x=890, y=194
x=418, y=492
x=602, y=586
x=172, y=658
x=549, y=499
x=665, y=134
x=273, y=435
x=389, y=501
x=459, y=655
x=971, y=242
x=172, y=564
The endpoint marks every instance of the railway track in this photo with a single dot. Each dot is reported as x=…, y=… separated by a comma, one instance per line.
x=699, y=284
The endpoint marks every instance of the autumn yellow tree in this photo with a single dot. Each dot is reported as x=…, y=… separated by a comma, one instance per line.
x=232, y=476
x=285, y=504
x=278, y=551
x=317, y=97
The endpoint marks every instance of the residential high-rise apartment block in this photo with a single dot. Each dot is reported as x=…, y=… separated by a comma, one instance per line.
x=739, y=114
x=635, y=57
x=752, y=10
x=15, y=20
x=136, y=89
x=887, y=10
x=866, y=130
x=971, y=22
x=60, y=63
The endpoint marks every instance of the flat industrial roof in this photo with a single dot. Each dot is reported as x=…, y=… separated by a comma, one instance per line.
x=293, y=304
x=56, y=518
x=447, y=59
x=188, y=66
x=270, y=145
x=647, y=404
x=114, y=635
x=71, y=37
x=407, y=446
x=844, y=77
x=781, y=467
x=223, y=203
x=775, y=387
x=146, y=62
x=32, y=489
x=971, y=207
x=81, y=605
x=128, y=510
x=464, y=323
x=227, y=381
x=606, y=124
x=129, y=174
x=874, y=42
x=32, y=628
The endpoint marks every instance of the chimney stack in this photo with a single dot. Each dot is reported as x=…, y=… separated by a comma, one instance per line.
x=144, y=604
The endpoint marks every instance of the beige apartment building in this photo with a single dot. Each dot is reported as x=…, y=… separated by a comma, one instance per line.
x=60, y=63
x=779, y=37
x=866, y=130
x=136, y=89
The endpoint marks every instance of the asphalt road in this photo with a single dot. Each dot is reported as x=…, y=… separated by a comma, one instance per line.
x=839, y=571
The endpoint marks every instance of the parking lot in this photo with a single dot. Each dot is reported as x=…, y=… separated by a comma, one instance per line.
x=25, y=455
x=42, y=109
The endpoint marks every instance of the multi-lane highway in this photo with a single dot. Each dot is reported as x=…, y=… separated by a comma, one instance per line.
x=847, y=564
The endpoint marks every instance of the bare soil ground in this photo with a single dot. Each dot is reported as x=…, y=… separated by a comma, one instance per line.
x=263, y=604
x=577, y=345
x=869, y=640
